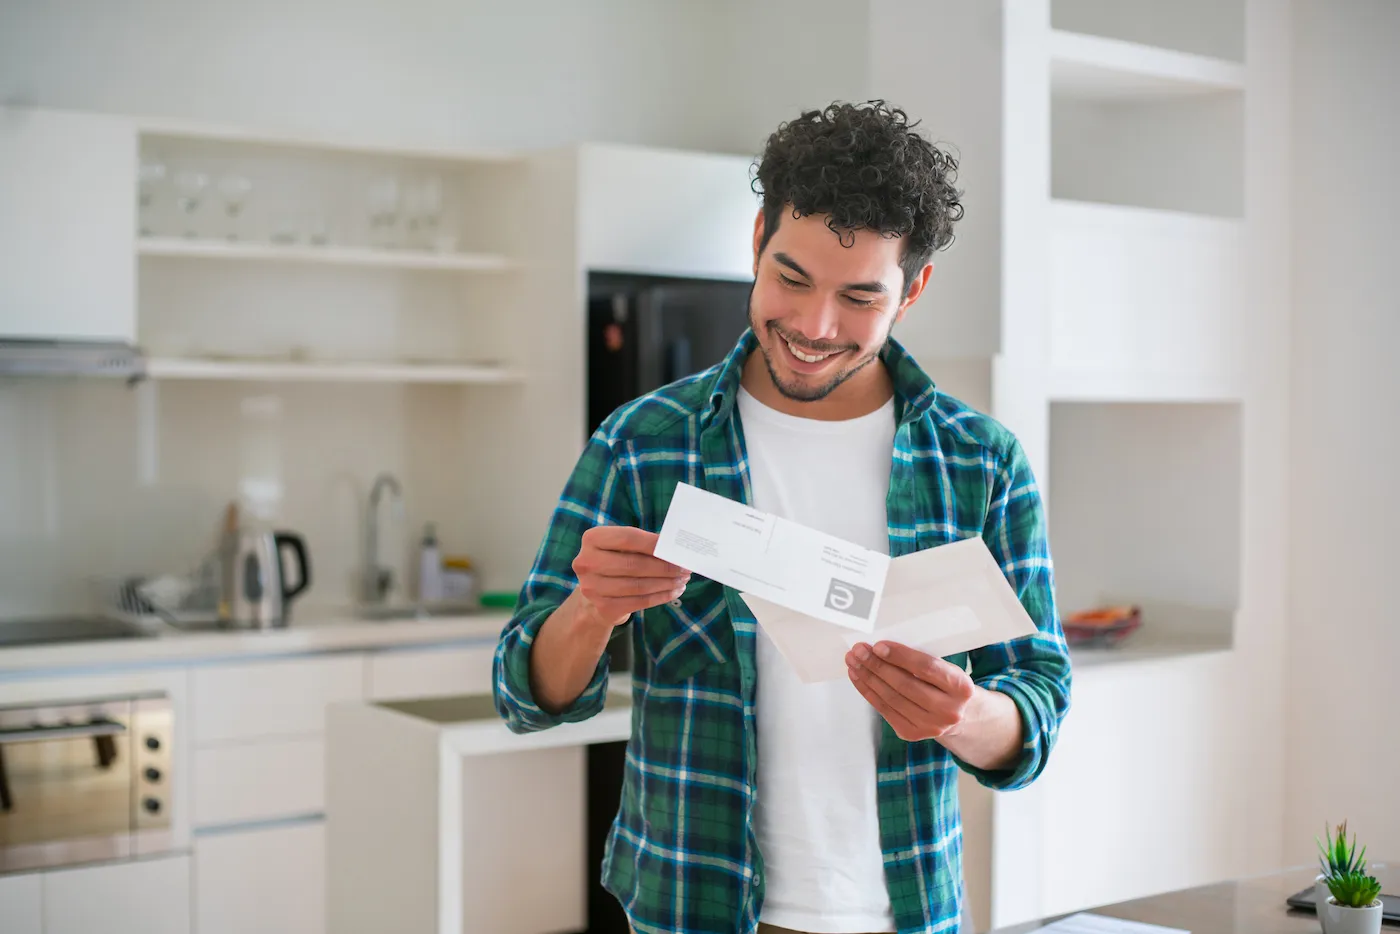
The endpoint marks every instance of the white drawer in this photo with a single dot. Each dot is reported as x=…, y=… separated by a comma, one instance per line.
x=402, y=674
x=286, y=697
x=144, y=896
x=22, y=904
x=259, y=781
x=270, y=881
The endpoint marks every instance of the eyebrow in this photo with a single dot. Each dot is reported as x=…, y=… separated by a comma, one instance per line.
x=790, y=263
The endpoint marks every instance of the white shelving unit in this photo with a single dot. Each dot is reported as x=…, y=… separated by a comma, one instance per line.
x=327, y=371
x=1142, y=341
x=329, y=255
x=316, y=278
x=1096, y=68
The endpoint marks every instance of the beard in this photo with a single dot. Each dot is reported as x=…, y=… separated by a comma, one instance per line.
x=797, y=389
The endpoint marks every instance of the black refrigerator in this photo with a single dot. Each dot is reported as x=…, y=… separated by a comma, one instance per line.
x=644, y=332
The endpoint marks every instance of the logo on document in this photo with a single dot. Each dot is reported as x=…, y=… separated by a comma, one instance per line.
x=848, y=598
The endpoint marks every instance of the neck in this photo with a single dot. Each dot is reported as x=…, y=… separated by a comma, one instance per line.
x=862, y=394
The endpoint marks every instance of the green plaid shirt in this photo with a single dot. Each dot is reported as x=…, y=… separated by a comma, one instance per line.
x=682, y=856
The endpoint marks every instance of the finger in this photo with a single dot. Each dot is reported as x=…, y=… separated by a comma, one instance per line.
x=927, y=668
x=611, y=587
x=622, y=607
x=622, y=538
x=897, y=721
x=625, y=564
x=894, y=697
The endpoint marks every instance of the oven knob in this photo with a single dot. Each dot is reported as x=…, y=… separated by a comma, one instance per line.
x=152, y=805
x=152, y=774
x=152, y=743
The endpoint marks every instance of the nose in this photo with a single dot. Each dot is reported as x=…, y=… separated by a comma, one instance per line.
x=817, y=319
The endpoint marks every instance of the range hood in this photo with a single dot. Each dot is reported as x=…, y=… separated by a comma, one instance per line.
x=38, y=357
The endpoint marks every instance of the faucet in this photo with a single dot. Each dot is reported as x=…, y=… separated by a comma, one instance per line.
x=378, y=580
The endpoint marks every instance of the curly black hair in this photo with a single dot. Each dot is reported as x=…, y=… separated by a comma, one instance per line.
x=863, y=167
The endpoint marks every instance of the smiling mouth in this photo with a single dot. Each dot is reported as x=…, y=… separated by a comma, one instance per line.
x=809, y=357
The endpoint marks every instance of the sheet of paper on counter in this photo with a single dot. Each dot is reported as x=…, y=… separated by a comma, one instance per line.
x=817, y=596
x=1102, y=924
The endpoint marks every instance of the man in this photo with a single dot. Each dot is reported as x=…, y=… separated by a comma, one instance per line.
x=752, y=801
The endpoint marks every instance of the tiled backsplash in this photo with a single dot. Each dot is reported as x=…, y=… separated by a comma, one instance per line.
x=98, y=479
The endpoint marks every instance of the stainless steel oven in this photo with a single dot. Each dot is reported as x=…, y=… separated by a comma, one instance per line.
x=85, y=780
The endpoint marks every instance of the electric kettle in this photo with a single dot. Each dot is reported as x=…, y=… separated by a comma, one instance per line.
x=256, y=592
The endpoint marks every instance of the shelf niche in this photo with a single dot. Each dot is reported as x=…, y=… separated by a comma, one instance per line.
x=1214, y=28
x=1145, y=507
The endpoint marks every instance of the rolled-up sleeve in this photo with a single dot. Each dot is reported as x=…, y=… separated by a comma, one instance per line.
x=595, y=494
x=1033, y=671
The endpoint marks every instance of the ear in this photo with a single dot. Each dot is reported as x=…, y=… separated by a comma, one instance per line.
x=916, y=289
x=757, y=239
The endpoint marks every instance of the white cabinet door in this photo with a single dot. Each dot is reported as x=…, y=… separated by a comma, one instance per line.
x=407, y=673
x=150, y=896
x=259, y=700
x=21, y=904
x=271, y=881
x=67, y=225
x=257, y=781
x=630, y=197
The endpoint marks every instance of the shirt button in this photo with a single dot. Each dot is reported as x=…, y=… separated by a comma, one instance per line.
x=676, y=603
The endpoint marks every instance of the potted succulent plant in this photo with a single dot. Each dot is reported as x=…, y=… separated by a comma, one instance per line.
x=1348, y=897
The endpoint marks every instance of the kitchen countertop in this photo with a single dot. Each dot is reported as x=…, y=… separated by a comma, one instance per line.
x=469, y=725
x=317, y=633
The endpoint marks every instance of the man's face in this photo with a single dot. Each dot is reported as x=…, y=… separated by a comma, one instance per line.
x=822, y=310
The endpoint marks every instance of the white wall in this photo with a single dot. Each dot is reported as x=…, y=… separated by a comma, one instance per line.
x=714, y=75
x=1344, y=631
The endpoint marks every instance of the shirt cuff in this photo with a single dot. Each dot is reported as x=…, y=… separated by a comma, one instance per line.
x=515, y=701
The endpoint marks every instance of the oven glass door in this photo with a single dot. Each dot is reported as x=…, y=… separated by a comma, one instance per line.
x=68, y=784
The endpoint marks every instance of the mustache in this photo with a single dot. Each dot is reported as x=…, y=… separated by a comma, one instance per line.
x=804, y=344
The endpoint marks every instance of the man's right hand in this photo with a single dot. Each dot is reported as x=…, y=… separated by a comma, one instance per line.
x=618, y=575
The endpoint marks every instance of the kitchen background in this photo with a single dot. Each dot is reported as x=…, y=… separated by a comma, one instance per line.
x=1252, y=501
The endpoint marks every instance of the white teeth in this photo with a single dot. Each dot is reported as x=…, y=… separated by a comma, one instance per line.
x=806, y=357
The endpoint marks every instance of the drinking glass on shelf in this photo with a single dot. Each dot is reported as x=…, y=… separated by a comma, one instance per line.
x=424, y=208
x=189, y=186
x=383, y=198
x=235, y=190
x=150, y=175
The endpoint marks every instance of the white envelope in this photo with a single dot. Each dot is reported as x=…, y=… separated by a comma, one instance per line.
x=944, y=600
x=817, y=596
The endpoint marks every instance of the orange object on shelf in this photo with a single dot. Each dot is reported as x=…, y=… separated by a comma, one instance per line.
x=1101, y=626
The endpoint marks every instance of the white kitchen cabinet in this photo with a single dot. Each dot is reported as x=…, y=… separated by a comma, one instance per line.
x=21, y=903
x=630, y=197
x=149, y=896
x=67, y=225
x=282, y=698
x=433, y=672
x=269, y=880
x=258, y=781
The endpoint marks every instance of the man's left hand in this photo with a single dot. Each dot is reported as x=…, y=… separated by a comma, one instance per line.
x=920, y=696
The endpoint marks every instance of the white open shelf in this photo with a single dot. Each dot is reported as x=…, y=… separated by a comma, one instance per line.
x=1145, y=507
x=1099, y=68
x=163, y=129
x=1207, y=28
x=175, y=247
x=1144, y=304
x=194, y=368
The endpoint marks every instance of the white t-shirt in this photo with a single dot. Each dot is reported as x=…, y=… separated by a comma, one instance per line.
x=816, y=816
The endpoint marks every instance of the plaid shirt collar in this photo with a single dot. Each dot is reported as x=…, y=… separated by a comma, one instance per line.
x=913, y=388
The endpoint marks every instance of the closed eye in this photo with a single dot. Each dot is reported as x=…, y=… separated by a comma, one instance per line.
x=860, y=302
x=791, y=282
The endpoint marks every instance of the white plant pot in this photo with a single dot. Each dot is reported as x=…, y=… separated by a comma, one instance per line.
x=1320, y=896
x=1339, y=920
